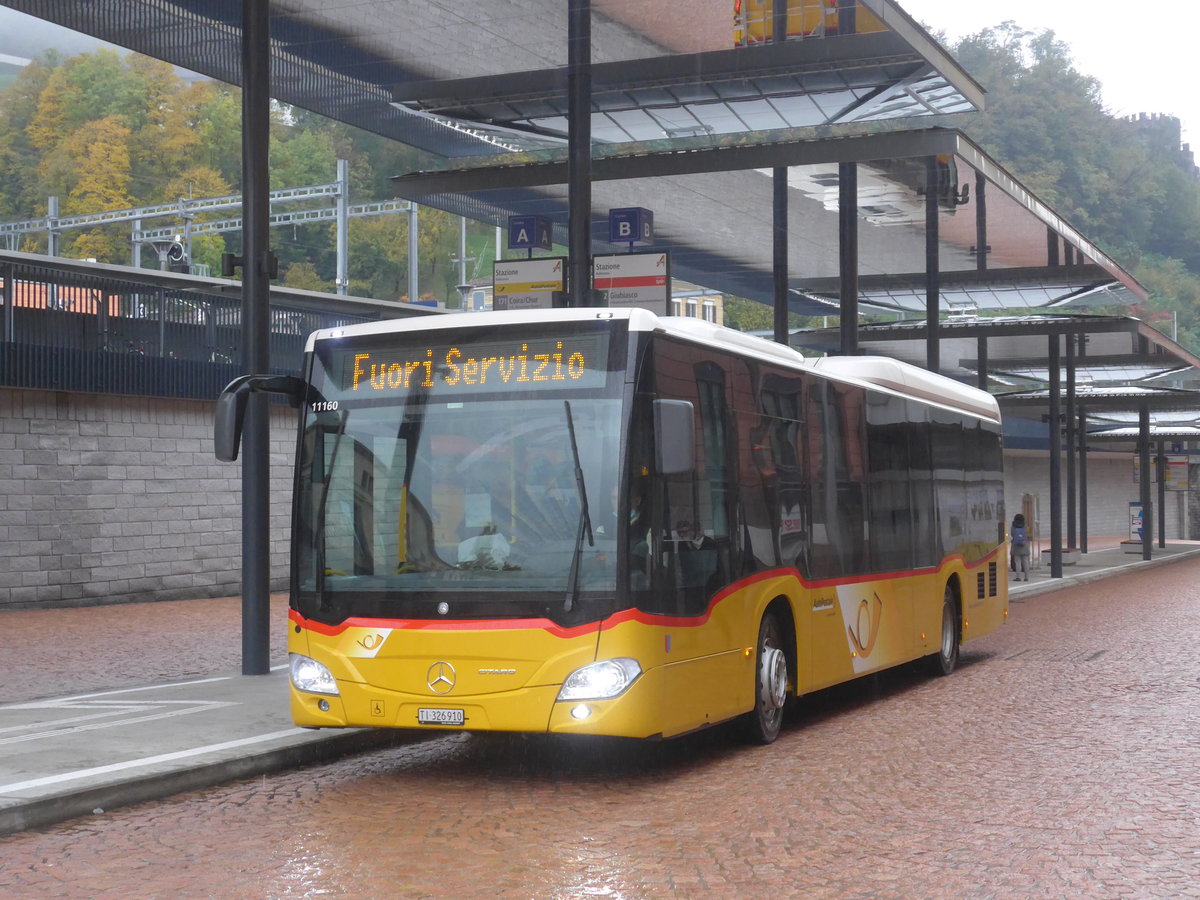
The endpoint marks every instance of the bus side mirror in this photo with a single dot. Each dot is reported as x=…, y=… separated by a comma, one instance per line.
x=231, y=408
x=674, y=436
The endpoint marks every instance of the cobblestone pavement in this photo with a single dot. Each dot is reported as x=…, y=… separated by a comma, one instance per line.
x=1060, y=761
x=94, y=648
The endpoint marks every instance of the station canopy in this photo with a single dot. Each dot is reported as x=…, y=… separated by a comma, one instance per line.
x=1113, y=366
x=692, y=108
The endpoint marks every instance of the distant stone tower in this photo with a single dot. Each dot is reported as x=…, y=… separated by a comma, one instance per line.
x=1164, y=134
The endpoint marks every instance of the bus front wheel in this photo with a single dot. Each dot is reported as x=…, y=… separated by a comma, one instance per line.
x=770, y=683
x=946, y=658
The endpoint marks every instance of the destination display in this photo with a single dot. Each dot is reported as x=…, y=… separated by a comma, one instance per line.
x=573, y=362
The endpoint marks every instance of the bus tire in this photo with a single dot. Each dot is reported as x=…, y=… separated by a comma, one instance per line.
x=946, y=658
x=763, y=722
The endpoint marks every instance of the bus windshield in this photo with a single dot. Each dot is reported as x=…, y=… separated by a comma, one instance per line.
x=458, y=486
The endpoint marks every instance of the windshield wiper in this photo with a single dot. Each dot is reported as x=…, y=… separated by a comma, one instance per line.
x=319, y=523
x=585, y=520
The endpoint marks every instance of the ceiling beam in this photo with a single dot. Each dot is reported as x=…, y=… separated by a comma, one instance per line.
x=864, y=148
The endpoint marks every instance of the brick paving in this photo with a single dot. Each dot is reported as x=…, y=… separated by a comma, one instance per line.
x=1061, y=760
x=52, y=652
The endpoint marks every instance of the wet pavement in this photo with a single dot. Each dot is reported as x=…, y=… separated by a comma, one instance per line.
x=114, y=705
x=1059, y=761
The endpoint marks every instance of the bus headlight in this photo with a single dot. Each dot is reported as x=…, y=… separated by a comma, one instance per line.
x=309, y=675
x=600, y=680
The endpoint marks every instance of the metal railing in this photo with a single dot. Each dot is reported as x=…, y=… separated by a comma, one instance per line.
x=70, y=325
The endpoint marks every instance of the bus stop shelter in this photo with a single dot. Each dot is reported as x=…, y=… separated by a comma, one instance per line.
x=787, y=159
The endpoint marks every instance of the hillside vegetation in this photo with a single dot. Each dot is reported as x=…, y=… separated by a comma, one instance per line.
x=104, y=131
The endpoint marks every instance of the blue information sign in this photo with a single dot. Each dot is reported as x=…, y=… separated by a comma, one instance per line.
x=631, y=225
x=529, y=233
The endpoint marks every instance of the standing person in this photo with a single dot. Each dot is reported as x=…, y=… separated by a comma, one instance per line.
x=1020, y=547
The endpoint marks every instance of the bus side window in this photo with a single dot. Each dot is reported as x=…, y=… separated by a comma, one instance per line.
x=700, y=500
x=836, y=473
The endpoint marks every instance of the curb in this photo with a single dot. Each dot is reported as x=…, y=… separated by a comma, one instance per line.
x=56, y=808
x=1069, y=581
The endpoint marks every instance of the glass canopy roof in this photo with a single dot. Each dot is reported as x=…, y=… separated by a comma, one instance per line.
x=690, y=111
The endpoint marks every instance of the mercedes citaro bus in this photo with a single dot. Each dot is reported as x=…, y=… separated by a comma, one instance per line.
x=601, y=521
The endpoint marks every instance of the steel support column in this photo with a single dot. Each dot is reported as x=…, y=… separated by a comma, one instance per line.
x=981, y=238
x=161, y=315
x=779, y=205
x=579, y=150
x=933, y=275
x=981, y=376
x=1160, y=468
x=1083, y=482
x=1055, y=433
x=779, y=251
x=848, y=255
x=7, y=325
x=1144, y=484
x=256, y=271
x=414, y=234
x=1070, y=448
x=53, y=235
x=341, y=278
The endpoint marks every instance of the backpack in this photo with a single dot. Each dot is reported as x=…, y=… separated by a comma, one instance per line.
x=1020, y=537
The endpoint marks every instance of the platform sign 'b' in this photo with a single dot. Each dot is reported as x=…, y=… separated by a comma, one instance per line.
x=631, y=225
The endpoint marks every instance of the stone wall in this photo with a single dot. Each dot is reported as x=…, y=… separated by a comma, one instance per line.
x=106, y=498
x=1111, y=489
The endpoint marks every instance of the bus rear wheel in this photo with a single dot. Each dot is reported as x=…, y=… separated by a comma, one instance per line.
x=763, y=722
x=946, y=658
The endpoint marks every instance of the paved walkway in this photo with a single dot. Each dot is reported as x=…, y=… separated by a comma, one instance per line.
x=145, y=719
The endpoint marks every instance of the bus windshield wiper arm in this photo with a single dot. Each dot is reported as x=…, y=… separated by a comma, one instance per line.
x=585, y=520
x=318, y=528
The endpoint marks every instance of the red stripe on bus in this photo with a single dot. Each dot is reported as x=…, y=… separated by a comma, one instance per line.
x=625, y=615
x=428, y=625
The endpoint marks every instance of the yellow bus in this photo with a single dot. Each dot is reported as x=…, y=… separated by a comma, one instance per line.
x=753, y=20
x=606, y=522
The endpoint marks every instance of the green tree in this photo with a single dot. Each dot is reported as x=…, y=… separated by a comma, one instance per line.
x=303, y=276
x=378, y=257
x=749, y=315
x=18, y=156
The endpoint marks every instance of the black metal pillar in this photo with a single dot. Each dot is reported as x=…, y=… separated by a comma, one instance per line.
x=579, y=149
x=1144, y=484
x=779, y=205
x=8, y=322
x=981, y=238
x=256, y=289
x=848, y=255
x=161, y=335
x=1083, y=482
x=981, y=376
x=1070, y=448
x=933, y=275
x=779, y=248
x=1055, y=461
x=847, y=16
x=1160, y=460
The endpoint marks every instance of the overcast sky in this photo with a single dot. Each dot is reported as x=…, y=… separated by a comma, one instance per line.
x=1138, y=51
